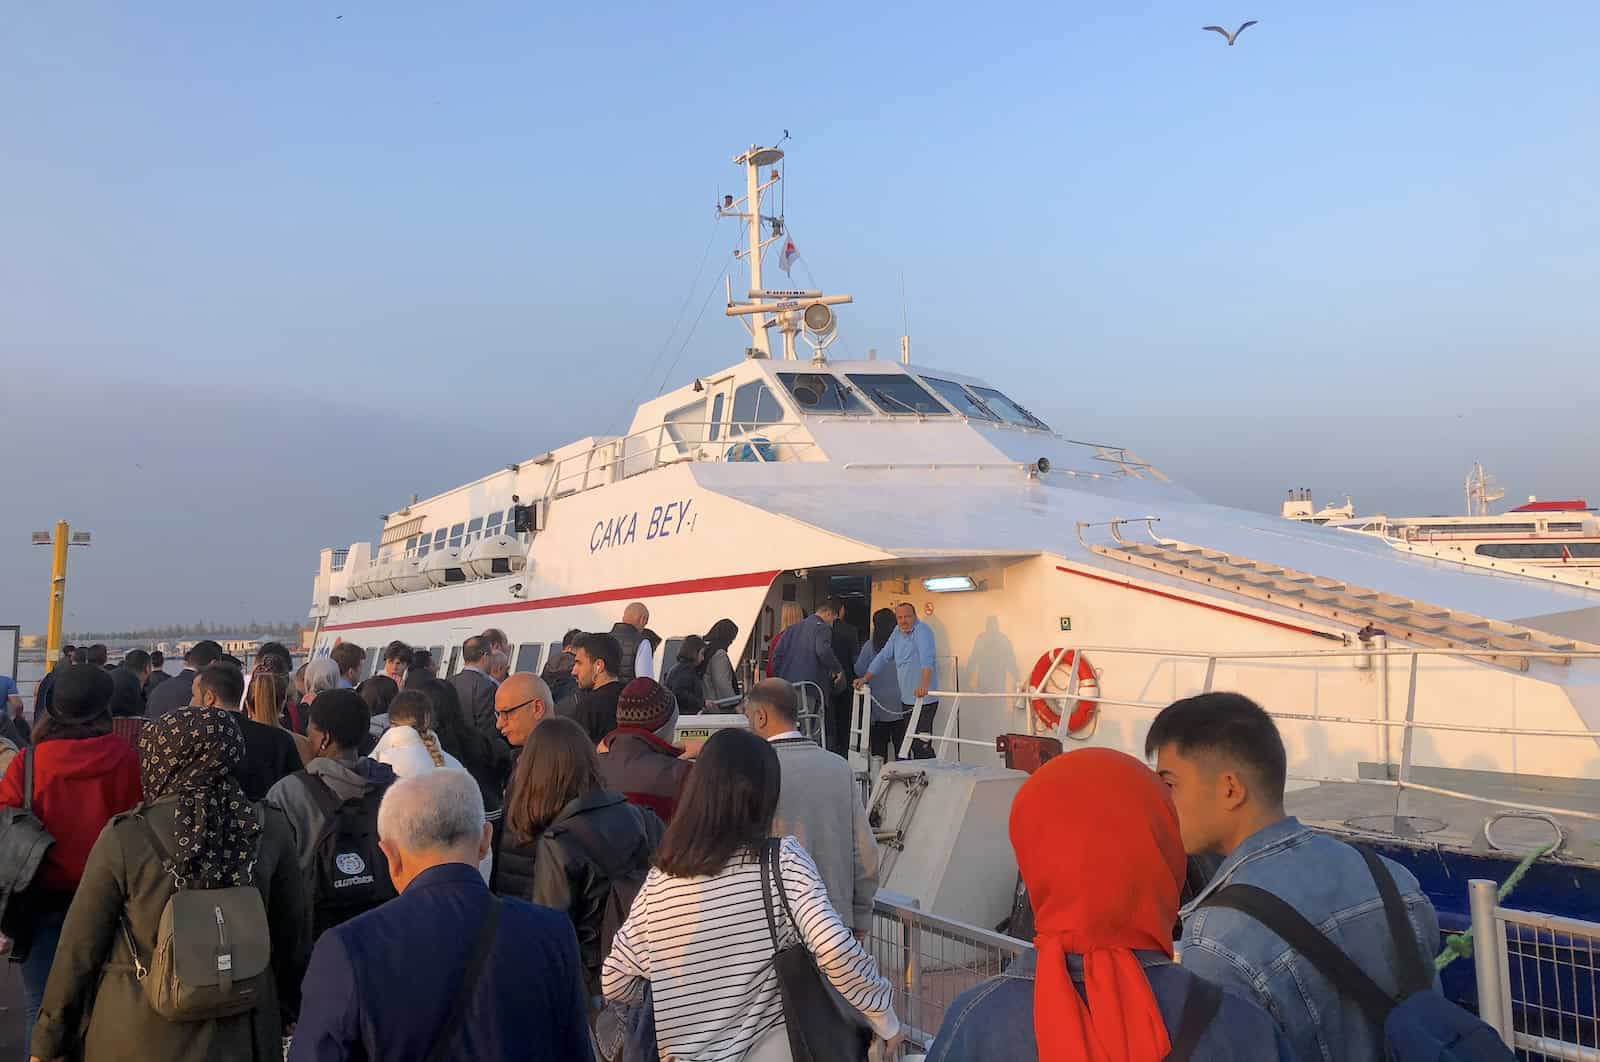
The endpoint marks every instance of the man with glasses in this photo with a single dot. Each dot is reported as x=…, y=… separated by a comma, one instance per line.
x=519, y=704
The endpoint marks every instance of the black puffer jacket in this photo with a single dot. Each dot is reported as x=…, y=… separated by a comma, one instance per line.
x=686, y=685
x=557, y=870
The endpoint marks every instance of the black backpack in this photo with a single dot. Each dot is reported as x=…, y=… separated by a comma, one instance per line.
x=1418, y=1025
x=349, y=874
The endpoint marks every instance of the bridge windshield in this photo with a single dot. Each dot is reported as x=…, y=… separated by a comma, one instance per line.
x=959, y=397
x=821, y=392
x=898, y=395
x=1008, y=410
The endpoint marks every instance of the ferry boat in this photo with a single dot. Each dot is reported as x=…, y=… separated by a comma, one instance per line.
x=1446, y=714
x=1553, y=541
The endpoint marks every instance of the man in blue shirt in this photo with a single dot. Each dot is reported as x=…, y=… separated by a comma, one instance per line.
x=1224, y=760
x=910, y=650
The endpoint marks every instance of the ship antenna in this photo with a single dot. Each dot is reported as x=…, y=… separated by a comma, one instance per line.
x=791, y=311
x=905, y=323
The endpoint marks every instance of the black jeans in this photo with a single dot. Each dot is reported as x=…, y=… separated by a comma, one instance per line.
x=889, y=733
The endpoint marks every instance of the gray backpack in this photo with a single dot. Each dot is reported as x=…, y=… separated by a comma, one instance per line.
x=212, y=950
x=23, y=843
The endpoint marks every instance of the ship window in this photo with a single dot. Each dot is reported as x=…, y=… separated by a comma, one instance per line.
x=821, y=392
x=528, y=657
x=1469, y=530
x=455, y=534
x=492, y=528
x=438, y=538
x=897, y=394
x=411, y=544
x=686, y=427
x=423, y=547
x=1009, y=411
x=1565, y=525
x=437, y=654
x=474, y=526
x=754, y=404
x=1540, y=550
x=960, y=398
x=716, y=417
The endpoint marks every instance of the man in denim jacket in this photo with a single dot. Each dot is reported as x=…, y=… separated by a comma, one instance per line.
x=1223, y=757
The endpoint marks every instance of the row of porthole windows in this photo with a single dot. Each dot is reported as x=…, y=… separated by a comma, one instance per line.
x=465, y=533
x=524, y=657
x=1540, y=550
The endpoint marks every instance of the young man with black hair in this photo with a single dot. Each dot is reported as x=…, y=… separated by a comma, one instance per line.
x=396, y=659
x=269, y=751
x=179, y=692
x=594, y=665
x=158, y=673
x=128, y=679
x=332, y=808
x=348, y=656
x=1222, y=757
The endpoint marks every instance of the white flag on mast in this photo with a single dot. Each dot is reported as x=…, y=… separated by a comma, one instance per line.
x=788, y=255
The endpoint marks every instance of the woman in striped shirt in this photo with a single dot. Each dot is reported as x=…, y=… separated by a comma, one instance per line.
x=697, y=932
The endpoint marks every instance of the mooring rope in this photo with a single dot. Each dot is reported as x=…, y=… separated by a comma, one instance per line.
x=1459, y=945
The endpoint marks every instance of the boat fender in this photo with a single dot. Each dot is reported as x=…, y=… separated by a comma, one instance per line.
x=1051, y=675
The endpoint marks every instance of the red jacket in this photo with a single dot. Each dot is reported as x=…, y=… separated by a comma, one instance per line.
x=77, y=786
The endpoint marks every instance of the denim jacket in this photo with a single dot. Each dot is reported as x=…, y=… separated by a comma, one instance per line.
x=1328, y=882
x=994, y=1020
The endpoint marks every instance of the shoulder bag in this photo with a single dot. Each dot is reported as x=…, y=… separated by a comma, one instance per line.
x=819, y=1031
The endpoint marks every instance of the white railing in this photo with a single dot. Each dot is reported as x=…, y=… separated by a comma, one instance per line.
x=1538, y=978
x=673, y=442
x=950, y=702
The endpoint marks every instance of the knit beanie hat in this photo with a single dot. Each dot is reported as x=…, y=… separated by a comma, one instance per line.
x=644, y=703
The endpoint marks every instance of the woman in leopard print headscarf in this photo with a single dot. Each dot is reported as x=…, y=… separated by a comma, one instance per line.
x=189, y=753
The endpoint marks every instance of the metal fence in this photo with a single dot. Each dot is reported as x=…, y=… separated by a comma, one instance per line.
x=931, y=960
x=1538, y=977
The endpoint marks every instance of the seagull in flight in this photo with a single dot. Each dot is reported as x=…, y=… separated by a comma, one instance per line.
x=1231, y=37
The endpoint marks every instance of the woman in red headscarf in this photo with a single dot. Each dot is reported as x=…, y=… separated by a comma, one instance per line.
x=1097, y=843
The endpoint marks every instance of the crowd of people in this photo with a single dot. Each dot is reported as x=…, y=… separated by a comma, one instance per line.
x=407, y=866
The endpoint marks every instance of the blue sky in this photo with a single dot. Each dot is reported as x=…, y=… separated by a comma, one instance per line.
x=304, y=265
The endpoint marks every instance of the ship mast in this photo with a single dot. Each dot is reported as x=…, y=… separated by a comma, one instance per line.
x=792, y=311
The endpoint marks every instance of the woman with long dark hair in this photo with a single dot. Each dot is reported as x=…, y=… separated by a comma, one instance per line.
x=459, y=738
x=716, y=667
x=702, y=911
x=83, y=774
x=889, y=718
x=562, y=828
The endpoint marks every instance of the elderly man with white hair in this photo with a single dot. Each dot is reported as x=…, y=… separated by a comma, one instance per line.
x=445, y=961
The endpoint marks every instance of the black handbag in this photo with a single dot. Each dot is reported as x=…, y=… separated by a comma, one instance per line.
x=819, y=1031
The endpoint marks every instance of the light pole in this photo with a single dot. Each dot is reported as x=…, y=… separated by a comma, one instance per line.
x=63, y=537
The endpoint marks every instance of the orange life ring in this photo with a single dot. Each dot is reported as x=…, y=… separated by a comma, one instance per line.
x=1062, y=662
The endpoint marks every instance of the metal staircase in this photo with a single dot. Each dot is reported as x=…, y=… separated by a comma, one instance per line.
x=1313, y=595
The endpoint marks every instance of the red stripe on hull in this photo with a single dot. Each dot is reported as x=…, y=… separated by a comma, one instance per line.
x=682, y=586
x=1201, y=604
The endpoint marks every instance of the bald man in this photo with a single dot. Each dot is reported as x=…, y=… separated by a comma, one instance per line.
x=521, y=701
x=638, y=652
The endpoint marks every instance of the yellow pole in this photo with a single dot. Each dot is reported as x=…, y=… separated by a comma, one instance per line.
x=58, y=598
